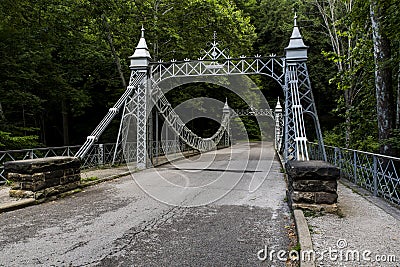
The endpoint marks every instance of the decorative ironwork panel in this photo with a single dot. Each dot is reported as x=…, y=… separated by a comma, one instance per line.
x=378, y=174
x=254, y=112
x=295, y=136
x=270, y=66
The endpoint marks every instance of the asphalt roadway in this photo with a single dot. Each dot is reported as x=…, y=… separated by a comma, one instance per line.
x=217, y=209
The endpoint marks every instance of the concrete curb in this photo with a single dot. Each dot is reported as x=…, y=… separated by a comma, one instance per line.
x=17, y=204
x=304, y=238
x=108, y=178
x=303, y=233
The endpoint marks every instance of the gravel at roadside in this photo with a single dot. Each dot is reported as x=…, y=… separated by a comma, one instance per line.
x=360, y=234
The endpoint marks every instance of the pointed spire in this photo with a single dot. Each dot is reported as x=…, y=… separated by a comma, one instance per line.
x=278, y=107
x=296, y=49
x=226, y=108
x=141, y=58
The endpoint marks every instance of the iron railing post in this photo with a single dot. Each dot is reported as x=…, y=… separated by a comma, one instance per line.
x=375, y=175
x=335, y=156
x=100, y=154
x=355, y=167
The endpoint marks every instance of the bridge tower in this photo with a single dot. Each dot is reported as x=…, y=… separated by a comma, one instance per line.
x=299, y=100
x=136, y=108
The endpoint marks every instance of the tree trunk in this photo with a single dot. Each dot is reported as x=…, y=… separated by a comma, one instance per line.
x=64, y=112
x=43, y=130
x=113, y=52
x=398, y=100
x=341, y=48
x=383, y=77
x=2, y=117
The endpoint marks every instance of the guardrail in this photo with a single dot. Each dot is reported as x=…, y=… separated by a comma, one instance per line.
x=99, y=155
x=377, y=173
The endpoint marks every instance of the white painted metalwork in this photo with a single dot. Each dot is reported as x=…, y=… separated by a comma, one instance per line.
x=260, y=112
x=278, y=126
x=377, y=173
x=298, y=99
x=290, y=72
x=179, y=127
x=270, y=66
x=297, y=145
x=109, y=116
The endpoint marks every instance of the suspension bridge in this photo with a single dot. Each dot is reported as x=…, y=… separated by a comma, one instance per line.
x=237, y=185
x=141, y=142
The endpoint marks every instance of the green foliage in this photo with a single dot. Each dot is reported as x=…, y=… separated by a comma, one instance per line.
x=89, y=179
x=56, y=66
x=9, y=142
x=394, y=140
x=56, y=62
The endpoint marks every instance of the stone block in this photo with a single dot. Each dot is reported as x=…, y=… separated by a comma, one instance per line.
x=21, y=193
x=330, y=208
x=33, y=186
x=303, y=197
x=43, y=177
x=17, y=177
x=47, y=192
x=55, y=174
x=71, y=172
x=315, y=186
x=314, y=197
x=312, y=170
x=325, y=198
x=70, y=179
x=32, y=166
x=55, y=190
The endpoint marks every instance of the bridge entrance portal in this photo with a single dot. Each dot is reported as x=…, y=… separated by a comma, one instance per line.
x=144, y=91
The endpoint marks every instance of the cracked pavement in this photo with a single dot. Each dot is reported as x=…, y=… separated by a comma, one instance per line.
x=235, y=205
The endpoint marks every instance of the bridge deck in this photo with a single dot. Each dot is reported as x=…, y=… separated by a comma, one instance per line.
x=224, y=207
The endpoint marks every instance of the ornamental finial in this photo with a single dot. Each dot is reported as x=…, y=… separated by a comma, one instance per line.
x=295, y=19
x=142, y=31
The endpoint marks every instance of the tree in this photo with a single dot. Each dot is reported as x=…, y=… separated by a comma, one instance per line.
x=347, y=39
x=383, y=74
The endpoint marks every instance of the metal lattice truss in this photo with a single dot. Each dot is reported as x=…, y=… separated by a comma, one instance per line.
x=270, y=66
x=296, y=84
x=296, y=142
x=254, y=112
x=136, y=110
x=131, y=104
x=94, y=136
x=307, y=101
x=217, y=62
x=292, y=76
x=179, y=127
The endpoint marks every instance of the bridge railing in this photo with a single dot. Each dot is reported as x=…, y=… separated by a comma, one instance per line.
x=377, y=173
x=99, y=155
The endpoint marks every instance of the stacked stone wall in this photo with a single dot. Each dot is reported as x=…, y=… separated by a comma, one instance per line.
x=43, y=177
x=312, y=185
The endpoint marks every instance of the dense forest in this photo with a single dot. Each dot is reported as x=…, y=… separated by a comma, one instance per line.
x=63, y=63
